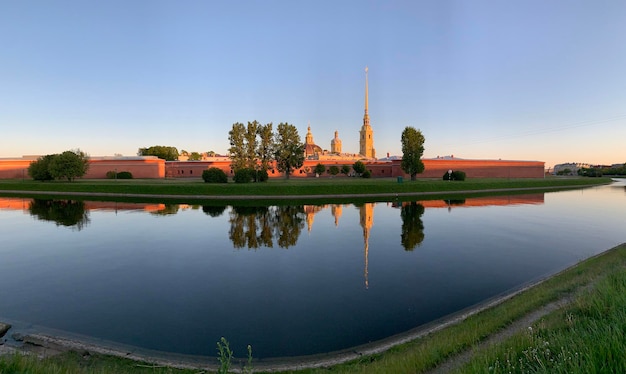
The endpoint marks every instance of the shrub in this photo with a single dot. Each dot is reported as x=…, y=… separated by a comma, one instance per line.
x=367, y=174
x=260, y=175
x=243, y=175
x=111, y=174
x=214, y=175
x=124, y=175
x=333, y=170
x=457, y=175
x=359, y=167
x=69, y=165
x=39, y=170
x=345, y=169
x=319, y=169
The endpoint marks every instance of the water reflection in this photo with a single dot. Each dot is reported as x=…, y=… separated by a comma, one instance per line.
x=167, y=210
x=353, y=258
x=70, y=213
x=253, y=227
x=412, y=226
x=213, y=211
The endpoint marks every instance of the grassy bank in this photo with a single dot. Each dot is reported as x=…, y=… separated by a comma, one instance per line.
x=588, y=336
x=580, y=338
x=294, y=186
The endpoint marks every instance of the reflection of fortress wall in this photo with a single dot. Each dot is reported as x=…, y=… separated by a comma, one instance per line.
x=16, y=203
x=531, y=199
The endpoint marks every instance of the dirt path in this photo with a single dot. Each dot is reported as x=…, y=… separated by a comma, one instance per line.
x=521, y=324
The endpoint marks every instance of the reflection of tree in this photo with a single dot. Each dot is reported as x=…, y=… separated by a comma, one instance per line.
x=213, y=211
x=412, y=225
x=62, y=212
x=288, y=224
x=169, y=209
x=250, y=227
x=253, y=227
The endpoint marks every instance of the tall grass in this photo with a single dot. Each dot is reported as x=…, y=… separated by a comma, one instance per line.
x=589, y=336
x=424, y=354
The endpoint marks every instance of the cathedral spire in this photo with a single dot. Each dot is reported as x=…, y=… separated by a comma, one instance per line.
x=366, y=96
x=366, y=143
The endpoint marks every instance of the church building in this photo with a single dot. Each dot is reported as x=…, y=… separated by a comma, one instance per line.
x=335, y=144
x=366, y=140
x=310, y=148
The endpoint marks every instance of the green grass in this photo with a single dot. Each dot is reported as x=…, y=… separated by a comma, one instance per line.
x=588, y=336
x=597, y=318
x=75, y=363
x=292, y=187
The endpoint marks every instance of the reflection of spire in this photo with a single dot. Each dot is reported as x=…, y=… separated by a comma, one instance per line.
x=310, y=211
x=336, y=211
x=366, y=214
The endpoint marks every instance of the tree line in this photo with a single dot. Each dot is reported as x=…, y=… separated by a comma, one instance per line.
x=253, y=150
x=255, y=146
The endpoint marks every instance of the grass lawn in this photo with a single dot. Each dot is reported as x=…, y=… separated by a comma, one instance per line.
x=292, y=187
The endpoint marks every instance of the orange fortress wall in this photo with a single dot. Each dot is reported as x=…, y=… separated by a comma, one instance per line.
x=154, y=168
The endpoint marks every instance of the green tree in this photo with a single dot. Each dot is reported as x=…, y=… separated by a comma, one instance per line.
x=333, y=170
x=265, y=150
x=237, y=150
x=345, y=169
x=195, y=156
x=244, y=175
x=40, y=170
x=319, y=169
x=412, y=150
x=289, y=150
x=165, y=152
x=210, y=154
x=69, y=165
x=359, y=167
x=251, y=144
x=243, y=145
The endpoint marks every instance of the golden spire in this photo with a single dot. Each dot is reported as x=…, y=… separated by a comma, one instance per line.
x=366, y=98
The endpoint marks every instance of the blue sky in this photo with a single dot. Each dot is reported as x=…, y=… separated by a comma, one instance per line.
x=531, y=80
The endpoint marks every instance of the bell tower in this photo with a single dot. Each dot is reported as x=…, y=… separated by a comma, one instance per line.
x=366, y=140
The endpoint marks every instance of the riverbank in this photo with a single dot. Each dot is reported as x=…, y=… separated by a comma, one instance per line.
x=338, y=188
x=446, y=344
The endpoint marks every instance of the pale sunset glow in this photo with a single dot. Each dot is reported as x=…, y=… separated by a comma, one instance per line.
x=513, y=80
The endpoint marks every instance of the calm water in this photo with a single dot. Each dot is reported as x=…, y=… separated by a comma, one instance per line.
x=289, y=280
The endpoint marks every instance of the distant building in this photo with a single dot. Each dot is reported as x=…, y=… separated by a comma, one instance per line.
x=311, y=150
x=335, y=144
x=573, y=168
